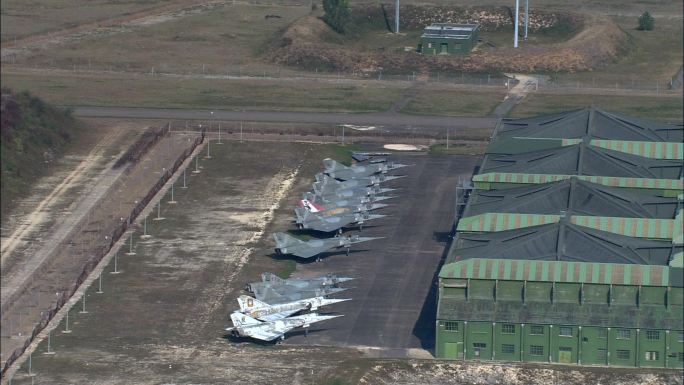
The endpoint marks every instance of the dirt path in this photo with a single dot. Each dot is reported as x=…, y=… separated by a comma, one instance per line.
x=45, y=39
x=37, y=217
x=525, y=85
x=35, y=277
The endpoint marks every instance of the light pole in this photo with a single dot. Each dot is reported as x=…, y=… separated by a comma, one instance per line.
x=515, y=27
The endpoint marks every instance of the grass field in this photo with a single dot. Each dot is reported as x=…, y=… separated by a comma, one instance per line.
x=455, y=102
x=652, y=56
x=22, y=18
x=148, y=91
x=611, y=7
x=219, y=40
x=663, y=108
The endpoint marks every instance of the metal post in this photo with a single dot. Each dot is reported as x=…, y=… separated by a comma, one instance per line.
x=184, y=185
x=527, y=14
x=49, y=347
x=208, y=147
x=66, y=324
x=342, y=134
x=116, y=257
x=99, y=287
x=515, y=27
x=197, y=171
x=159, y=217
x=83, y=308
x=145, y=235
x=30, y=364
x=219, y=141
x=172, y=201
x=396, y=18
x=130, y=248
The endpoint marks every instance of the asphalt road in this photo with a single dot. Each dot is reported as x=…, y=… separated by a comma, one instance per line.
x=394, y=298
x=384, y=119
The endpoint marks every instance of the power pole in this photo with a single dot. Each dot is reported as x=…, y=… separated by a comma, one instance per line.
x=515, y=27
x=527, y=16
x=396, y=18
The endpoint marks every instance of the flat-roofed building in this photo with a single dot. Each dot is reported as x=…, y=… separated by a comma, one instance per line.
x=448, y=39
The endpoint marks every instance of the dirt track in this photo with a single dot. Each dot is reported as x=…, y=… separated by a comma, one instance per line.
x=38, y=270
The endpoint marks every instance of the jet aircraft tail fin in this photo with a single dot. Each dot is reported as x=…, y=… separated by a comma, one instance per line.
x=332, y=165
x=240, y=319
x=248, y=303
x=283, y=240
x=272, y=279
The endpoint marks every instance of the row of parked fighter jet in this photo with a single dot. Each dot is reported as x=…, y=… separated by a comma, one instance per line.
x=342, y=196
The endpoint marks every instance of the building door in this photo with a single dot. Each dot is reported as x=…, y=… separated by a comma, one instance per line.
x=565, y=355
x=444, y=48
x=451, y=349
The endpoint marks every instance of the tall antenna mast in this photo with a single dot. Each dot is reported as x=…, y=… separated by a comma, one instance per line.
x=527, y=9
x=515, y=27
x=396, y=18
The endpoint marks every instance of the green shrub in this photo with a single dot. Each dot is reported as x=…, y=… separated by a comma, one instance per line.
x=336, y=14
x=646, y=22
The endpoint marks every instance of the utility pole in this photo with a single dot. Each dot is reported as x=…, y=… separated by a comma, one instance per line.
x=396, y=18
x=527, y=16
x=515, y=27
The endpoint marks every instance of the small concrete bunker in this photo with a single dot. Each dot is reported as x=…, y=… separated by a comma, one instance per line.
x=448, y=39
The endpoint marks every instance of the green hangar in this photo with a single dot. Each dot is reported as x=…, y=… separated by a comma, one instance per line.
x=568, y=246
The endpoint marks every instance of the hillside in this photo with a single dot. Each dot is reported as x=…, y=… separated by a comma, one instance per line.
x=33, y=135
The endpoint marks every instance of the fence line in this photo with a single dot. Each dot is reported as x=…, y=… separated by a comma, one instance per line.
x=101, y=251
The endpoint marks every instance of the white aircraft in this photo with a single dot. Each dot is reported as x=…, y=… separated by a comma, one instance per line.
x=246, y=326
x=265, y=312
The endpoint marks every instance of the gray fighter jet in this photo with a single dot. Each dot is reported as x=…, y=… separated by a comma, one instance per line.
x=339, y=171
x=354, y=205
x=331, y=220
x=281, y=294
x=273, y=281
x=372, y=180
x=315, y=203
x=287, y=244
x=273, y=289
x=331, y=191
x=265, y=312
x=373, y=156
x=246, y=326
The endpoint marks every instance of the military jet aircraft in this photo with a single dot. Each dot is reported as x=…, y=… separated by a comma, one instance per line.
x=330, y=191
x=272, y=280
x=282, y=294
x=373, y=156
x=246, y=326
x=287, y=244
x=372, y=180
x=331, y=220
x=317, y=203
x=355, y=205
x=265, y=312
x=273, y=289
x=339, y=171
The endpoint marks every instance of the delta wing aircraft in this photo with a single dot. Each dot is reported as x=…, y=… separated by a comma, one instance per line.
x=330, y=191
x=273, y=289
x=355, y=204
x=358, y=182
x=265, y=312
x=246, y=326
x=287, y=244
x=339, y=171
x=360, y=156
x=331, y=220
